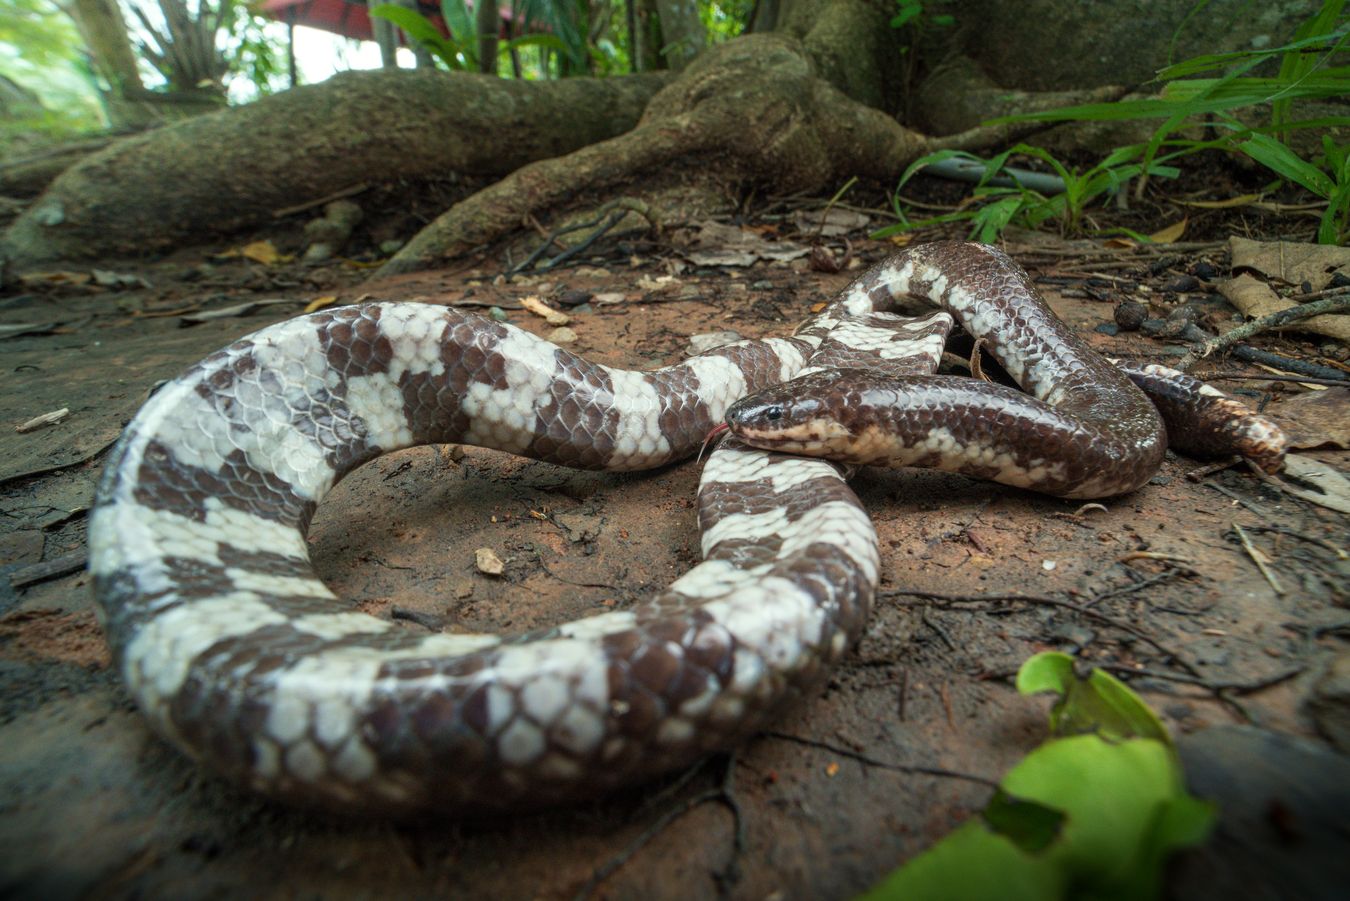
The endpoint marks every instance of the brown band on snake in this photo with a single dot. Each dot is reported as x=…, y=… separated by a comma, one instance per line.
x=1084, y=429
x=239, y=655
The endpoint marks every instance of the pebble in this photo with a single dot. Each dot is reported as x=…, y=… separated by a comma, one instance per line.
x=1130, y=314
x=562, y=335
x=497, y=314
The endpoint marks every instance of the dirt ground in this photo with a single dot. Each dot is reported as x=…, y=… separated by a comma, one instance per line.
x=1156, y=585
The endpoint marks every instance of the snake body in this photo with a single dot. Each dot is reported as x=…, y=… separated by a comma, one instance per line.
x=237, y=653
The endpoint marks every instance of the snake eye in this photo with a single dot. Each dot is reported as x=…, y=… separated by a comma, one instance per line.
x=774, y=413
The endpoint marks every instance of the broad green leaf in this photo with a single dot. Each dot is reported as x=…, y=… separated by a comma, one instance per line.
x=1120, y=799
x=1103, y=816
x=1028, y=825
x=972, y=863
x=1100, y=703
x=459, y=20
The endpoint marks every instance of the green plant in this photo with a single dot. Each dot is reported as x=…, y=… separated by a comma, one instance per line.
x=1213, y=88
x=995, y=207
x=1091, y=813
x=916, y=20
x=459, y=51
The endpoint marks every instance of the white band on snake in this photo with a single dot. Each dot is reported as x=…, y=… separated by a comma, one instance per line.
x=238, y=654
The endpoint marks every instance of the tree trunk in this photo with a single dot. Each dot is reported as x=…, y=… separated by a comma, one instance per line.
x=683, y=31
x=385, y=36
x=801, y=109
x=229, y=169
x=488, y=20
x=104, y=32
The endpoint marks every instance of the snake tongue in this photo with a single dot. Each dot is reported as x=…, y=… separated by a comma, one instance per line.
x=714, y=435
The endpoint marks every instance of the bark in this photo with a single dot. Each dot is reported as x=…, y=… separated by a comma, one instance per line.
x=384, y=35
x=229, y=169
x=801, y=109
x=489, y=23
x=104, y=32
x=683, y=31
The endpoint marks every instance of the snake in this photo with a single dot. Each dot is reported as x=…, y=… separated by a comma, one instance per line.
x=238, y=654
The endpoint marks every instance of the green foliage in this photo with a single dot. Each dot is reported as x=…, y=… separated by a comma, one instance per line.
x=39, y=49
x=916, y=20
x=1307, y=71
x=250, y=52
x=1092, y=813
x=995, y=208
x=459, y=52
x=911, y=13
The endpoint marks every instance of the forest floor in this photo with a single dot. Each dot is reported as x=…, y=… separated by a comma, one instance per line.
x=1156, y=586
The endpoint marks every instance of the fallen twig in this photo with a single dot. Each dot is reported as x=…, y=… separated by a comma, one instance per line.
x=1258, y=559
x=1337, y=304
x=724, y=793
x=881, y=764
x=45, y=419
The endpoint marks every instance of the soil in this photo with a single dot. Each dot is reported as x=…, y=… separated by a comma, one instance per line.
x=1155, y=585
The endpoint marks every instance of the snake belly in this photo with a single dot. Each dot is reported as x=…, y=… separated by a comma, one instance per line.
x=238, y=654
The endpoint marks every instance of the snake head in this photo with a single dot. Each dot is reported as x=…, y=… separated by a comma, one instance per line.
x=794, y=416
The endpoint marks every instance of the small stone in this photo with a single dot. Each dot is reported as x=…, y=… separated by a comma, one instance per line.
x=562, y=335
x=1130, y=314
x=487, y=561
x=1183, y=284
x=1108, y=328
x=573, y=298
x=1205, y=271
x=497, y=314
x=763, y=285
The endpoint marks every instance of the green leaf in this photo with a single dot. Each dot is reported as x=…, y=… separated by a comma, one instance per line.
x=459, y=20
x=972, y=863
x=1278, y=158
x=1079, y=817
x=1123, y=818
x=1100, y=703
x=553, y=42
x=1028, y=825
x=905, y=15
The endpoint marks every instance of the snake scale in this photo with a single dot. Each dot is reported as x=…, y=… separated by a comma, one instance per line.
x=239, y=655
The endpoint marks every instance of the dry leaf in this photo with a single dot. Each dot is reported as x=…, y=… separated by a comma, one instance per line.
x=262, y=252
x=1333, y=489
x=1240, y=200
x=1291, y=262
x=1169, y=235
x=1120, y=243
x=831, y=223
x=1255, y=298
x=1315, y=419
x=319, y=303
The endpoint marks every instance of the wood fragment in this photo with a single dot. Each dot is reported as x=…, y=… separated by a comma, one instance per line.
x=48, y=569
x=1258, y=558
x=487, y=561
x=1337, y=304
x=536, y=305
x=45, y=419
